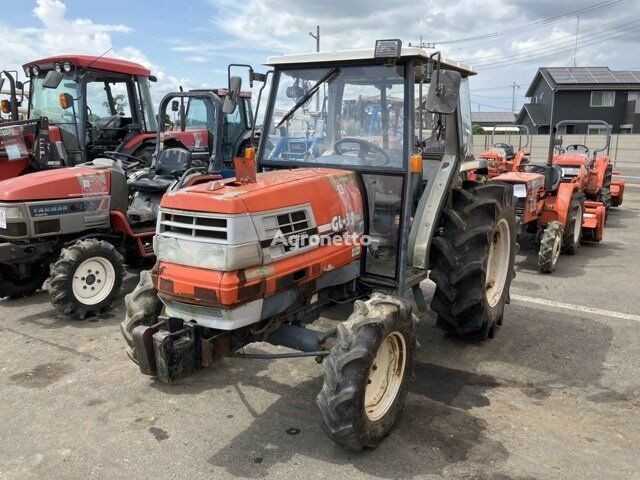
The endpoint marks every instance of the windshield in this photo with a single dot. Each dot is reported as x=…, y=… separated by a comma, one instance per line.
x=44, y=101
x=355, y=118
x=147, y=104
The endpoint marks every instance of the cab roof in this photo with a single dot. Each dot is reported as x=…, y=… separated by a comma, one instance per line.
x=103, y=63
x=364, y=54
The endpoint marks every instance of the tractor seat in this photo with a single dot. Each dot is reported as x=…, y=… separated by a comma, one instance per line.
x=170, y=165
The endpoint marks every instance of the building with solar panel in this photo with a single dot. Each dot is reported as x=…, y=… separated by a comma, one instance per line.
x=582, y=93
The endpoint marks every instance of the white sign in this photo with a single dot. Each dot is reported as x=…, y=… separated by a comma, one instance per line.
x=520, y=190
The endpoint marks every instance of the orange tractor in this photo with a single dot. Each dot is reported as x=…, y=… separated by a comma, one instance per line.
x=553, y=205
x=503, y=157
x=602, y=184
x=352, y=212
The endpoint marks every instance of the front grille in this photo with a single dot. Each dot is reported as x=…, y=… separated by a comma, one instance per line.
x=292, y=222
x=14, y=230
x=520, y=207
x=193, y=225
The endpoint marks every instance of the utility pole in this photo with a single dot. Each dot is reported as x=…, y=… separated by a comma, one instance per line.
x=317, y=38
x=575, y=52
x=515, y=88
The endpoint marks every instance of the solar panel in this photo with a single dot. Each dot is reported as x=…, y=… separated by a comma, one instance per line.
x=602, y=75
x=583, y=75
x=627, y=77
x=561, y=75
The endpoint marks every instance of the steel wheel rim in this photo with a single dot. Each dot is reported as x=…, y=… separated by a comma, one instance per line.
x=93, y=280
x=577, y=228
x=385, y=376
x=498, y=263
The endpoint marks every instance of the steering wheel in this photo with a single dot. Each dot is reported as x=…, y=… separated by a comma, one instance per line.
x=502, y=145
x=531, y=168
x=364, y=148
x=578, y=147
x=126, y=165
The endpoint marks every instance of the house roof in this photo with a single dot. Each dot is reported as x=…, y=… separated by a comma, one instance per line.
x=492, y=117
x=537, y=113
x=586, y=78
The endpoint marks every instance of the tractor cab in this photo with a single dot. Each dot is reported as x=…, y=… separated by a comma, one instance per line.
x=359, y=113
x=78, y=108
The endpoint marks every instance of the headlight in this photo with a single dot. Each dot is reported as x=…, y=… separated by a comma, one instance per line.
x=210, y=256
x=27, y=72
x=35, y=70
x=67, y=66
x=11, y=212
x=58, y=68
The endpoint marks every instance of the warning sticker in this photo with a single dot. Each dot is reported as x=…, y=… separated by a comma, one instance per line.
x=12, y=140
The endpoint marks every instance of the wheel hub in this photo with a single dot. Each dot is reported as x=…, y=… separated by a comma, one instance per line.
x=93, y=280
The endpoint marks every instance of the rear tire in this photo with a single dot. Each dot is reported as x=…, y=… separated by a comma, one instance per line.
x=142, y=307
x=13, y=286
x=573, y=228
x=550, y=247
x=86, y=278
x=360, y=399
x=472, y=260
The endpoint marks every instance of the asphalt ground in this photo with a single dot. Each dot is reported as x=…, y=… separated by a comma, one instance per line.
x=556, y=395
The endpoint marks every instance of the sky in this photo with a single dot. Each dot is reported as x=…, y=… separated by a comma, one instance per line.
x=191, y=43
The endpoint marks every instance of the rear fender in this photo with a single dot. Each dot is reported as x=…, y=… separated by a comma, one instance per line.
x=556, y=207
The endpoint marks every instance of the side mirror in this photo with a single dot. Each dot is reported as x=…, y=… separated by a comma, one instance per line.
x=175, y=105
x=53, y=79
x=444, y=91
x=231, y=100
x=19, y=85
x=65, y=100
x=153, y=78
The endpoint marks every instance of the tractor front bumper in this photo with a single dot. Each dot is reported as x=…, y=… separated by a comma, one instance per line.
x=173, y=349
x=26, y=252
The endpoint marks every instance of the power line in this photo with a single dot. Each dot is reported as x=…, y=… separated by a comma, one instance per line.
x=557, y=47
x=609, y=27
x=556, y=52
x=534, y=25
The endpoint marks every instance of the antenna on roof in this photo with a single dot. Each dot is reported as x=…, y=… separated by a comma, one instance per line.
x=98, y=58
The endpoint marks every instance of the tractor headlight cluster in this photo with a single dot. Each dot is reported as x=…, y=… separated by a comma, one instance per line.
x=210, y=256
x=35, y=71
x=63, y=67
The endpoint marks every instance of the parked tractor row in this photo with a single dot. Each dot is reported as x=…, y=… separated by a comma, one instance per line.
x=563, y=202
x=361, y=187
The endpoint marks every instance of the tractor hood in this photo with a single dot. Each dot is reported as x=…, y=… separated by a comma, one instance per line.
x=59, y=183
x=272, y=190
x=572, y=159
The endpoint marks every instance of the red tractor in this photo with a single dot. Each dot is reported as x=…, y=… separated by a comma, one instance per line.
x=111, y=110
x=354, y=211
x=81, y=224
x=502, y=157
x=602, y=183
x=553, y=205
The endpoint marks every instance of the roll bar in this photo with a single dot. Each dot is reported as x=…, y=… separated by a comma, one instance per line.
x=521, y=128
x=216, y=160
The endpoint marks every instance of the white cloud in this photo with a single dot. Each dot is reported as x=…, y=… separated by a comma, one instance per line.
x=59, y=34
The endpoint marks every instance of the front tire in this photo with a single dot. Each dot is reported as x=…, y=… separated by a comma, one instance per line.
x=550, y=246
x=142, y=308
x=472, y=260
x=86, y=278
x=573, y=228
x=368, y=372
